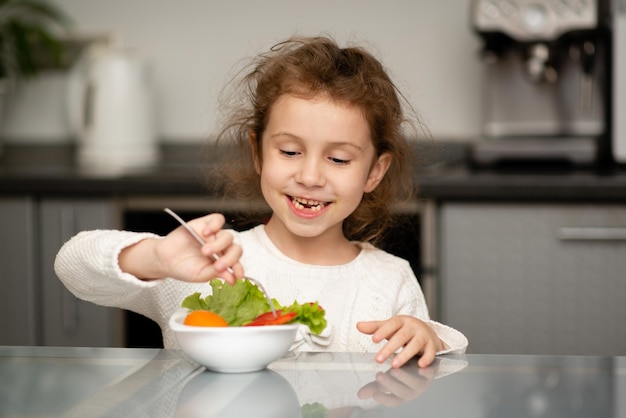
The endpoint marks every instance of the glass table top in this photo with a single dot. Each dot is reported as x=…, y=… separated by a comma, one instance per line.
x=116, y=382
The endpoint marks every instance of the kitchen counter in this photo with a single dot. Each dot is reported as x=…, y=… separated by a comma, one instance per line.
x=51, y=171
x=114, y=382
x=464, y=183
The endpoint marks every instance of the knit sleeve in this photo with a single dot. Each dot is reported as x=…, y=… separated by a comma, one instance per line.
x=88, y=266
x=455, y=342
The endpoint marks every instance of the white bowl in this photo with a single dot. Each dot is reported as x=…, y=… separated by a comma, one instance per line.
x=233, y=349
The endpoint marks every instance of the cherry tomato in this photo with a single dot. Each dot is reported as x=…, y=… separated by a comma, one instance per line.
x=268, y=318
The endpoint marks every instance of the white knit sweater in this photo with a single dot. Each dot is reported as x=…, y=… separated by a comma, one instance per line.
x=374, y=286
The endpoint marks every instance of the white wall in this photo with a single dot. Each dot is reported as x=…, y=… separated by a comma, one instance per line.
x=193, y=44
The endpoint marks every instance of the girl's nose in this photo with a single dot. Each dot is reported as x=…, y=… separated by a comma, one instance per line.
x=310, y=173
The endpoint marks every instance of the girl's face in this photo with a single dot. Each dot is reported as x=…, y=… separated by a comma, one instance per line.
x=318, y=160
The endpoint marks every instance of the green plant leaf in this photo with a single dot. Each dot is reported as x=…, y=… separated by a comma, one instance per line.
x=29, y=37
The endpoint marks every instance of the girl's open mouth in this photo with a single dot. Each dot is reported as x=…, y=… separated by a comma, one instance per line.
x=302, y=204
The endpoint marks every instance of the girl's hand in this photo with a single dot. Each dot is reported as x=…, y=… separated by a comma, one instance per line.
x=414, y=336
x=178, y=255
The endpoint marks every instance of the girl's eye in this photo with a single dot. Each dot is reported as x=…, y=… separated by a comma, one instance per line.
x=288, y=153
x=339, y=161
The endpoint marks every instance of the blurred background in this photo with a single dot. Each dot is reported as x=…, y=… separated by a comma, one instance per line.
x=192, y=48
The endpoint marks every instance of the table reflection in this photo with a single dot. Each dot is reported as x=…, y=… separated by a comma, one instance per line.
x=264, y=394
x=353, y=384
x=71, y=382
x=300, y=385
x=308, y=385
x=527, y=386
x=338, y=385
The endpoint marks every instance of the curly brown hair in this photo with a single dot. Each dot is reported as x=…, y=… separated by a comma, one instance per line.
x=306, y=67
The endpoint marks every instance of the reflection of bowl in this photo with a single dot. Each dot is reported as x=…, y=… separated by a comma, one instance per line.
x=259, y=395
x=233, y=349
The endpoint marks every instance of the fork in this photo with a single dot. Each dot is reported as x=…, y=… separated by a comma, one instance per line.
x=216, y=257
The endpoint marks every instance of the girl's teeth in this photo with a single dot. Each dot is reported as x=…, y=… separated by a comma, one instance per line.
x=301, y=203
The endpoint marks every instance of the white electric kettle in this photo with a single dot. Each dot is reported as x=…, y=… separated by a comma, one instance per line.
x=111, y=111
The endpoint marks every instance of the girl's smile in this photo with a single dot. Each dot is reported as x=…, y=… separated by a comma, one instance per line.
x=307, y=208
x=318, y=160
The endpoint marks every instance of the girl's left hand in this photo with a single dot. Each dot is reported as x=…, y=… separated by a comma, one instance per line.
x=413, y=335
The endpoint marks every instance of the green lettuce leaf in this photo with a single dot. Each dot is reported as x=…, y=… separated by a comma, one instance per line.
x=314, y=410
x=242, y=302
x=237, y=304
x=311, y=314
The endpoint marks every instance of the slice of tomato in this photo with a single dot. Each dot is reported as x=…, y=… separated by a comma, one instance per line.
x=268, y=318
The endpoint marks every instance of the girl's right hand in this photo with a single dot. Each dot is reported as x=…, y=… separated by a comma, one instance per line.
x=178, y=255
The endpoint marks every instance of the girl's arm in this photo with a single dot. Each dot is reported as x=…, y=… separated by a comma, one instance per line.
x=88, y=266
x=119, y=268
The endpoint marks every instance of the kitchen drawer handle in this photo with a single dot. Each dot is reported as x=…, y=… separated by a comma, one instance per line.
x=592, y=234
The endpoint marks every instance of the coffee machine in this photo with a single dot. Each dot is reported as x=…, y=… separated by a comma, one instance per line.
x=547, y=74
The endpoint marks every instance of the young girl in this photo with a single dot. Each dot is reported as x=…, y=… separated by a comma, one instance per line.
x=321, y=130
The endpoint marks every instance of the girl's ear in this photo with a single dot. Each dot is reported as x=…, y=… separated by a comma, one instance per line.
x=377, y=172
x=256, y=158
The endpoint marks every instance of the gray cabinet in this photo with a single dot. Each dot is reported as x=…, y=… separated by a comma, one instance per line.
x=35, y=308
x=535, y=278
x=18, y=293
x=67, y=320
